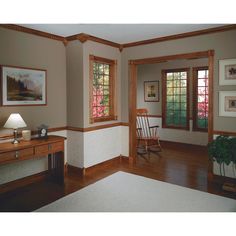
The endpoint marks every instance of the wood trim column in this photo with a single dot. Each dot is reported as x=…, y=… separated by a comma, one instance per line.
x=210, y=94
x=132, y=111
x=210, y=106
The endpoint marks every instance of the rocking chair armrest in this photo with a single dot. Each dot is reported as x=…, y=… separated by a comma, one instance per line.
x=155, y=126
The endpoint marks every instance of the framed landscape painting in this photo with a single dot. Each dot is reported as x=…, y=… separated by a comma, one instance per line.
x=227, y=103
x=151, y=91
x=23, y=86
x=227, y=72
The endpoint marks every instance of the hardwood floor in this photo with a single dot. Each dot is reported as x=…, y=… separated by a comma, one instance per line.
x=184, y=165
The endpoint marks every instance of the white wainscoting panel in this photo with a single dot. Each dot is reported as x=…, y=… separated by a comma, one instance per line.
x=18, y=170
x=101, y=145
x=230, y=170
x=182, y=136
x=124, y=141
x=75, y=148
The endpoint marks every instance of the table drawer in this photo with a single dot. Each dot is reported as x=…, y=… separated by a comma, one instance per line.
x=15, y=155
x=49, y=148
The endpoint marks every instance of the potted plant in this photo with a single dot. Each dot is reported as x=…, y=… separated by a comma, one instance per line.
x=223, y=151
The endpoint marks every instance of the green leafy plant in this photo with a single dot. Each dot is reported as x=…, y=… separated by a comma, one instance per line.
x=223, y=151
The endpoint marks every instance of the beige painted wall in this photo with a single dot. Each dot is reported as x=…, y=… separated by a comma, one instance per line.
x=74, y=70
x=151, y=72
x=224, y=45
x=21, y=49
x=78, y=80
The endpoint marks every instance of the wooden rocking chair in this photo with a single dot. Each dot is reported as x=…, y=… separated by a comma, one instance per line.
x=147, y=136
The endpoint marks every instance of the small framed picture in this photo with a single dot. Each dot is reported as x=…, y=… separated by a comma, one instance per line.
x=151, y=91
x=227, y=103
x=227, y=72
x=23, y=86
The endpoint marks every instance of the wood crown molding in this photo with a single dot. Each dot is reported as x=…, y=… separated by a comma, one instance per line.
x=85, y=37
x=82, y=37
x=180, y=36
x=34, y=32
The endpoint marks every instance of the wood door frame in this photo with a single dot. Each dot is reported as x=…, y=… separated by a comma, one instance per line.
x=133, y=93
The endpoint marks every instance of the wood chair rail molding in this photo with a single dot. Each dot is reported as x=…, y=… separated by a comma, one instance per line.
x=225, y=133
x=34, y=132
x=98, y=127
x=82, y=37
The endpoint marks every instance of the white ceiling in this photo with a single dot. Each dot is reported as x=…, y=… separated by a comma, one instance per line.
x=120, y=33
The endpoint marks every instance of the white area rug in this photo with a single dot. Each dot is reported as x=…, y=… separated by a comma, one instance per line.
x=124, y=192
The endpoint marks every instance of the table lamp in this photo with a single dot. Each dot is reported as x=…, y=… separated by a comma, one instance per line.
x=15, y=121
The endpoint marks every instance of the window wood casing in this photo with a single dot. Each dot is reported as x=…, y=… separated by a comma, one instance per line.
x=110, y=106
x=180, y=97
x=196, y=98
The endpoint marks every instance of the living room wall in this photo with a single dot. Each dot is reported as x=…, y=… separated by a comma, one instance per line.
x=26, y=50
x=222, y=42
x=93, y=147
x=151, y=72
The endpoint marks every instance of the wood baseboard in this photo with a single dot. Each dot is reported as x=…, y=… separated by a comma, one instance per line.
x=74, y=169
x=180, y=144
x=19, y=183
x=115, y=160
x=222, y=179
x=229, y=187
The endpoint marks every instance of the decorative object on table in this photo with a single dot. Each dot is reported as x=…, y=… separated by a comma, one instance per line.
x=227, y=103
x=15, y=121
x=151, y=91
x=23, y=86
x=26, y=135
x=43, y=131
x=222, y=150
x=227, y=72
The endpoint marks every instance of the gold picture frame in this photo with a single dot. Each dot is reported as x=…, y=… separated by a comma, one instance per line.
x=23, y=86
x=151, y=91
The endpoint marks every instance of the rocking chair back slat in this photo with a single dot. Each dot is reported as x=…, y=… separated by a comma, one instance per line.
x=146, y=133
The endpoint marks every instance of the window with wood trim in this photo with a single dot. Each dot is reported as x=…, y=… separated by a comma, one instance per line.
x=175, y=104
x=200, y=98
x=102, y=89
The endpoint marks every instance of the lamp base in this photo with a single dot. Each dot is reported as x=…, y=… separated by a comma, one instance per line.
x=15, y=140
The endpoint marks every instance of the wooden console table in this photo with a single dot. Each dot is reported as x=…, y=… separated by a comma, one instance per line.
x=51, y=147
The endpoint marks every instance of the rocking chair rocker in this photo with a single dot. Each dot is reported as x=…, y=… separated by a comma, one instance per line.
x=147, y=136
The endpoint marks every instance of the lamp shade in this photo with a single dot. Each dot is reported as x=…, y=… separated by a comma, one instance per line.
x=15, y=121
